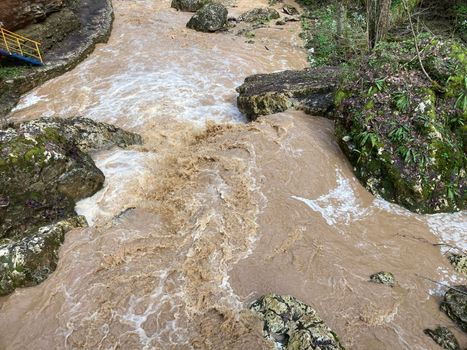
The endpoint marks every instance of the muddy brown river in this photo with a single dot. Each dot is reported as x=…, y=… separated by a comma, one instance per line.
x=225, y=211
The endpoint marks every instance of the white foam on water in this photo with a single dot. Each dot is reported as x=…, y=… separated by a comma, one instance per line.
x=123, y=169
x=28, y=101
x=338, y=206
x=450, y=228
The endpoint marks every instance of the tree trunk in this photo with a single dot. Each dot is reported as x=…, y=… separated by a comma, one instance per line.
x=378, y=18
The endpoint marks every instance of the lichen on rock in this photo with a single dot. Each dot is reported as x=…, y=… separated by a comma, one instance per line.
x=210, y=18
x=443, y=337
x=260, y=14
x=455, y=305
x=44, y=170
x=386, y=278
x=189, y=5
x=294, y=325
x=459, y=261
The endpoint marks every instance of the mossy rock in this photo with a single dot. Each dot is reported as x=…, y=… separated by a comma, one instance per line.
x=260, y=14
x=455, y=305
x=386, y=278
x=293, y=324
x=406, y=137
x=443, y=337
x=210, y=18
x=459, y=261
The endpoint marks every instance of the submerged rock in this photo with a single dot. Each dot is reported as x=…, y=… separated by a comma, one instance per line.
x=309, y=90
x=44, y=170
x=189, y=5
x=455, y=305
x=293, y=324
x=443, y=337
x=386, y=278
x=30, y=260
x=210, y=18
x=459, y=261
x=260, y=14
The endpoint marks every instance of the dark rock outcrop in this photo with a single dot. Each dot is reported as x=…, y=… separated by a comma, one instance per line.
x=455, y=305
x=16, y=14
x=309, y=90
x=28, y=261
x=443, y=337
x=44, y=170
x=405, y=135
x=259, y=14
x=189, y=5
x=210, y=18
x=293, y=324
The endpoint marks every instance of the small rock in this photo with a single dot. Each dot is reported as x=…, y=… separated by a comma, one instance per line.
x=455, y=305
x=280, y=23
x=189, y=5
x=210, y=18
x=260, y=14
x=443, y=337
x=293, y=324
x=290, y=10
x=459, y=261
x=382, y=277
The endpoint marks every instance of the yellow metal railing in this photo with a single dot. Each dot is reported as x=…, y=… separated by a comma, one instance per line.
x=17, y=44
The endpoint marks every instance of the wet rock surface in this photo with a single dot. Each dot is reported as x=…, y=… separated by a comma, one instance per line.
x=293, y=324
x=386, y=278
x=210, y=18
x=189, y=5
x=260, y=14
x=309, y=90
x=455, y=305
x=44, y=170
x=443, y=337
x=28, y=261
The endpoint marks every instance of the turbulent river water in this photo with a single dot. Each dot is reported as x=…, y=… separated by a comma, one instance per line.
x=224, y=211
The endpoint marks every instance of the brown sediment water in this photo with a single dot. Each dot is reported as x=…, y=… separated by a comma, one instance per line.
x=225, y=211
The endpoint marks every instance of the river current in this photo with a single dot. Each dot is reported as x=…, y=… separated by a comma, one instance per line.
x=212, y=212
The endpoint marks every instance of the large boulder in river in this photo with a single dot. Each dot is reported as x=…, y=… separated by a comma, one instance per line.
x=260, y=14
x=443, y=337
x=309, y=90
x=455, y=305
x=44, y=170
x=189, y=5
x=210, y=18
x=293, y=324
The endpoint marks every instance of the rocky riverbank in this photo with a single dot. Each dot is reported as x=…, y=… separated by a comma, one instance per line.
x=68, y=33
x=44, y=170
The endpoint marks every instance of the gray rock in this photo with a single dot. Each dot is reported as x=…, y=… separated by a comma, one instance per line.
x=293, y=324
x=260, y=14
x=210, y=18
x=44, y=170
x=189, y=5
x=443, y=337
x=455, y=305
x=386, y=278
x=29, y=261
x=309, y=90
